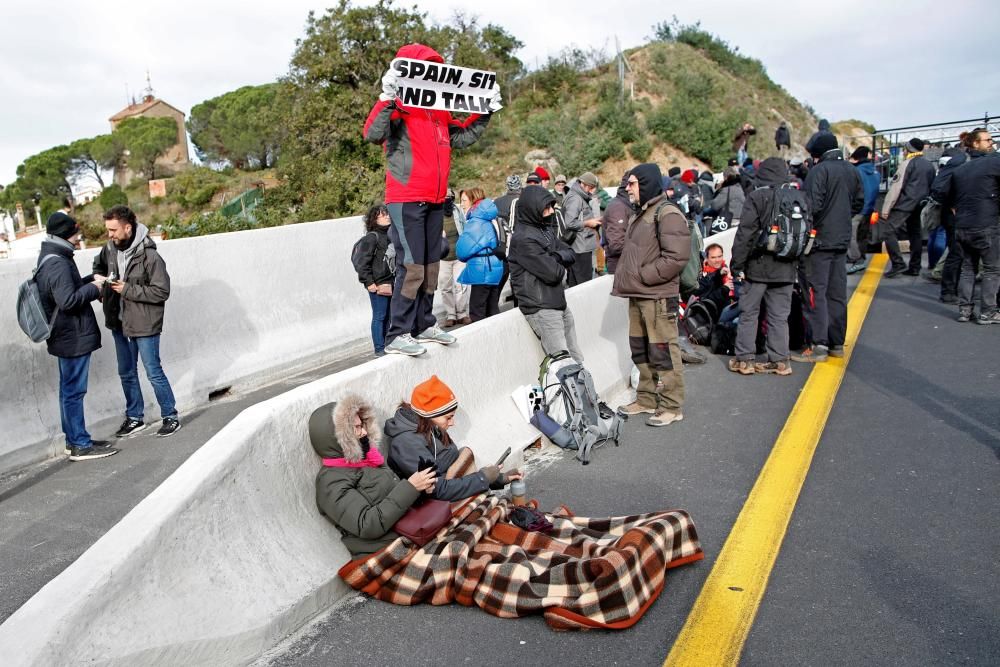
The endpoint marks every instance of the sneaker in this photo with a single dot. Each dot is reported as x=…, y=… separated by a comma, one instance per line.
x=964, y=315
x=435, y=335
x=774, y=368
x=130, y=427
x=911, y=272
x=836, y=351
x=95, y=451
x=664, y=418
x=930, y=276
x=894, y=273
x=742, y=366
x=170, y=426
x=992, y=318
x=814, y=354
x=99, y=444
x=635, y=408
x=854, y=268
x=405, y=345
x=948, y=298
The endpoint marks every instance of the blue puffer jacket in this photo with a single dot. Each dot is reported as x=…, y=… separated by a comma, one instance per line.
x=477, y=247
x=869, y=180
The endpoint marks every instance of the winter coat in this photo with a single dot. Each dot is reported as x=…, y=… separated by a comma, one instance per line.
x=869, y=181
x=712, y=287
x=952, y=159
x=650, y=265
x=504, y=203
x=577, y=209
x=138, y=311
x=824, y=128
x=418, y=142
x=372, y=248
x=742, y=138
x=835, y=196
x=478, y=247
x=914, y=185
x=407, y=447
x=614, y=222
x=782, y=137
x=536, y=274
x=975, y=191
x=75, y=331
x=731, y=197
x=748, y=257
x=364, y=502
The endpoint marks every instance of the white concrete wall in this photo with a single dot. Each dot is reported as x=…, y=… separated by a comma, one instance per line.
x=230, y=554
x=243, y=308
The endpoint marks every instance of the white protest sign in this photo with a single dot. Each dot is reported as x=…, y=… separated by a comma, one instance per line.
x=428, y=85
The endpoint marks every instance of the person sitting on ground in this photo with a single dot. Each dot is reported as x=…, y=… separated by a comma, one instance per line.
x=355, y=489
x=715, y=282
x=480, y=248
x=419, y=431
x=376, y=272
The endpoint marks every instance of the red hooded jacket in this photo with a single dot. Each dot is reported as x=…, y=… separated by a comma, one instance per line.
x=418, y=142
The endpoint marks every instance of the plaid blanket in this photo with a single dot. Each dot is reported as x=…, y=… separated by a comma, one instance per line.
x=585, y=573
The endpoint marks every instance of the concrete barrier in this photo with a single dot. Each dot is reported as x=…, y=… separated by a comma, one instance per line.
x=229, y=555
x=244, y=308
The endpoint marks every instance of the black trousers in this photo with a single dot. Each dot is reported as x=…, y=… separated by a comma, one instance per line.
x=582, y=270
x=484, y=300
x=905, y=225
x=952, y=264
x=416, y=235
x=826, y=296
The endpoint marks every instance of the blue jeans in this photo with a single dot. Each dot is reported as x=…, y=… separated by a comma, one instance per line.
x=380, y=320
x=73, y=372
x=936, y=243
x=128, y=351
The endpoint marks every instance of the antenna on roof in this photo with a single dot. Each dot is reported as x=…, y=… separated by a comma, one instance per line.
x=147, y=95
x=126, y=93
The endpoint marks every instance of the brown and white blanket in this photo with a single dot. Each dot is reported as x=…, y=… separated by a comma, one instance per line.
x=586, y=573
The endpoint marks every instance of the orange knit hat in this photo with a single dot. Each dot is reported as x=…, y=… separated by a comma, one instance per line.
x=433, y=398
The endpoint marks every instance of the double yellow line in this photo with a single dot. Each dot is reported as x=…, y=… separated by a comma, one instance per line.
x=723, y=614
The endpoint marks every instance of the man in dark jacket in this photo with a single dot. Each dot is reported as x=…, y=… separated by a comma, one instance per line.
x=782, y=137
x=614, y=222
x=823, y=129
x=538, y=263
x=975, y=198
x=835, y=194
x=656, y=249
x=75, y=334
x=951, y=160
x=134, y=301
x=904, y=214
x=861, y=159
x=764, y=277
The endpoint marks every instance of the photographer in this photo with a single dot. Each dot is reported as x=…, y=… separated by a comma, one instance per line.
x=538, y=263
x=715, y=282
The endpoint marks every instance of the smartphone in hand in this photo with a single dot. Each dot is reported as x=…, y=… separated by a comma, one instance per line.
x=503, y=457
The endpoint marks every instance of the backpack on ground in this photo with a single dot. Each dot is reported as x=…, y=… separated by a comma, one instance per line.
x=570, y=400
x=30, y=313
x=790, y=233
x=699, y=321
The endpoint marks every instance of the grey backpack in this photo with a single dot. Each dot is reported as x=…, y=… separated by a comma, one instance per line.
x=30, y=313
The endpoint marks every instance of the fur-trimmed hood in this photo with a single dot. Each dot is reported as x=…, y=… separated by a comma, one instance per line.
x=331, y=429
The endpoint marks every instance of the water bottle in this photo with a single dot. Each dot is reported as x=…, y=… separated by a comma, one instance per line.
x=518, y=492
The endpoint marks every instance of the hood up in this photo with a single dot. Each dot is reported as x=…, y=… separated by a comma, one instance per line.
x=650, y=179
x=772, y=172
x=331, y=429
x=419, y=52
x=534, y=199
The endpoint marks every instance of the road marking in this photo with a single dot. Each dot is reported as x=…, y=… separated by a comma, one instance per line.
x=723, y=614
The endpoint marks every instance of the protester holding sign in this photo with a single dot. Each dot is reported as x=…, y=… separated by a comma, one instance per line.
x=412, y=121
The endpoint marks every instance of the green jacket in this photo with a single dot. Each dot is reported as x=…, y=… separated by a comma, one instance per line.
x=363, y=502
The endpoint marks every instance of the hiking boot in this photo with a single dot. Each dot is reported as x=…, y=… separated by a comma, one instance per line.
x=894, y=273
x=435, y=335
x=405, y=345
x=964, y=315
x=449, y=323
x=911, y=272
x=854, y=268
x=774, y=368
x=690, y=356
x=813, y=354
x=170, y=426
x=742, y=366
x=948, y=298
x=836, y=351
x=635, y=408
x=130, y=427
x=664, y=418
x=95, y=451
x=992, y=318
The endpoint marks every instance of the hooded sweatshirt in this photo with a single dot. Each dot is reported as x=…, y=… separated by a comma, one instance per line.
x=748, y=256
x=824, y=128
x=363, y=498
x=418, y=142
x=614, y=222
x=536, y=273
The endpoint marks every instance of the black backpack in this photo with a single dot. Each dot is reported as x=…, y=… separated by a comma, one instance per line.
x=390, y=255
x=790, y=233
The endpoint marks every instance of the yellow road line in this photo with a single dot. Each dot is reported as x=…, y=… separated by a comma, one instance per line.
x=721, y=617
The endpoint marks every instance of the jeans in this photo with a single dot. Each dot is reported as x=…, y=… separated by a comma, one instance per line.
x=937, y=241
x=952, y=264
x=380, y=321
x=980, y=247
x=129, y=350
x=73, y=372
x=556, y=331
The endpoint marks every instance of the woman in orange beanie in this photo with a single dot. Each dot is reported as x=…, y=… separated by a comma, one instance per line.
x=418, y=432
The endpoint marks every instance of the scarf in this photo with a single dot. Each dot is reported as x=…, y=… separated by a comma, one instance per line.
x=707, y=269
x=373, y=459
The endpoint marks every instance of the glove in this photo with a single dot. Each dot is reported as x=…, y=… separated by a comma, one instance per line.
x=566, y=256
x=390, y=86
x=496, y=103
x=491, y=473
x=500, y=482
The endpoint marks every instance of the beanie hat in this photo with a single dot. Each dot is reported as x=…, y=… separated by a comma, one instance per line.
x=561, y=178
x=61, y=225
x=534, y=178
x=433, y=398
x=861, y=153
x=914, y=145
x=706, y=176
x=513, y=183
x=689, y=176
x=674, y=171
x=542, y=174
x=588, y=178
x=824, y=142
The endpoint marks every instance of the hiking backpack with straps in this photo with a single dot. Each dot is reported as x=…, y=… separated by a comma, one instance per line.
x=790, y=233
x=356, y=258
x=30, y=312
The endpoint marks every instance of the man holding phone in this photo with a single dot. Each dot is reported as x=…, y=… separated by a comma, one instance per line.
x=134, y=300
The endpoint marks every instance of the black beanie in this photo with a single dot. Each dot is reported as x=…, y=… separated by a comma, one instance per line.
x=649, y=178
x=674, y=171
x=914, y=145
x=861, y=153
x=823, y=143
x=61, y=225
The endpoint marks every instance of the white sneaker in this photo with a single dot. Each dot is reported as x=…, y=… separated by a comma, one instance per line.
x=435, y=335
x=405, y=345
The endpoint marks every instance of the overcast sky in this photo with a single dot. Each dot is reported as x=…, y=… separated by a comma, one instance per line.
x=66, y=65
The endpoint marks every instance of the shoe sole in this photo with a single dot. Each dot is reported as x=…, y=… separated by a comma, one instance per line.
x=810, y=360
x=405, y=354
x=93, y=457
x=638, y=412
x=167, y=435
x=742, y=371
x=650, y=422
x=433, y=340
x=986, y=322
x=131, y=433
x=767, y=371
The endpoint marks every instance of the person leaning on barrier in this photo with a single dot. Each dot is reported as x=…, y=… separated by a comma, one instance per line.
x=419, y=432
x=355, y=489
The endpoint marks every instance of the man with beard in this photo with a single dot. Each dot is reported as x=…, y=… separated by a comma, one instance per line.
x=134, y=299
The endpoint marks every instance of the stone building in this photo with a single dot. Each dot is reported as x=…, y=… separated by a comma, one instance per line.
x=176, y=157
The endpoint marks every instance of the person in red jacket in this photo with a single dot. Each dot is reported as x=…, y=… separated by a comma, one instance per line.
x=417, y=144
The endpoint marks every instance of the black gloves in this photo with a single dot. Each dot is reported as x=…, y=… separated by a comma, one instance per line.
x=565, y=256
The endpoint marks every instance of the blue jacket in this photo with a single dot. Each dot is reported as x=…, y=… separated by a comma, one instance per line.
x=477, y=247
x=870, y=181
